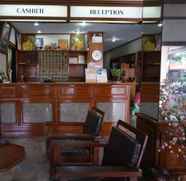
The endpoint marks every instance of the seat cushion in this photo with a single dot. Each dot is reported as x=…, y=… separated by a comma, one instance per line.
x=122, y=150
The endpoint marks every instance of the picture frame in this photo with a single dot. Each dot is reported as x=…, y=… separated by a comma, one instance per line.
x=77, y=41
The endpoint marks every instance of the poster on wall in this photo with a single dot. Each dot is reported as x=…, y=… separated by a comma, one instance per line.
x=28, y=42
x=151, y=42
x=77, y=42
x=173, y=84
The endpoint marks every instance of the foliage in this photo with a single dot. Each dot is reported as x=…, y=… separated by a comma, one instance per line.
x=116, y=72
x=172, y=110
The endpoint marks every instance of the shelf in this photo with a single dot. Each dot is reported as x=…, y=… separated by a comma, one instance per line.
x=77, y=64
x=77, y=51
x=27, y=64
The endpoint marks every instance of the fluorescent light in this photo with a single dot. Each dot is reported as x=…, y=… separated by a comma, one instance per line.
x=36, y=24
x=105, y=21
x=39, y=31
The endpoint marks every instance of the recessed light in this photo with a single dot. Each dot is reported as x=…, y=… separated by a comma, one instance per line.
x=114, y=39
x=36, y=24
x=39, y=31
x=77, y=31
x=83, y=23
x=160, y=25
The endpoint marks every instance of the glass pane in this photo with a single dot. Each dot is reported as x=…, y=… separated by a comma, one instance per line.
x=173, y=84
x=8, y=112
x=113, y=111
x=150, y=109
x=73, y=112
x=37, y=112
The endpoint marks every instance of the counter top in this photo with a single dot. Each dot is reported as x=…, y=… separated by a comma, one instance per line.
x=56, y=83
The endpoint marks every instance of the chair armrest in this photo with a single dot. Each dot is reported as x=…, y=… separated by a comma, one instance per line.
x=78, y=136
x=55, y=155
x=97, y=171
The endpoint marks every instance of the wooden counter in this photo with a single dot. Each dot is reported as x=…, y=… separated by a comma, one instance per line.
x=35, y=109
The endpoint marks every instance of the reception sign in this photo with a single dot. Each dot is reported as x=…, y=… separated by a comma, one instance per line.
x=33, y=11
x=106, y=12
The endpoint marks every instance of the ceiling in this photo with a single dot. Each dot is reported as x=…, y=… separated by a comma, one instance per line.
x=123, y=33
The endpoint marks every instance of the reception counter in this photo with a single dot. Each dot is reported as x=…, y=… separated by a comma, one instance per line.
x=36, y=109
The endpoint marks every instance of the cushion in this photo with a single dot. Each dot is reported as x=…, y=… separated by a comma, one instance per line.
x=93, y=123
x=122, y=150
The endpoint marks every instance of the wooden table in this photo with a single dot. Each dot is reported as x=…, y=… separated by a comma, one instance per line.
x=70, y=172
x=10, y=156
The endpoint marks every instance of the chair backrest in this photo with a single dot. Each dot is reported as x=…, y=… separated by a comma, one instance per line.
x=93, y=122
x=126, y=146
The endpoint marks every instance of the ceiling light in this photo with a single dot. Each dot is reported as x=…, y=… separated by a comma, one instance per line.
x=160, y=25
x=83, y=23
x=77, y=32
x=114, y=39
x=36, y=24
x=39, y=31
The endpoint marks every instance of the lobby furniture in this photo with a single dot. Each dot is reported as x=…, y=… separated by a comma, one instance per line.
x=39, y=109
x=10, y=156
x=71, y=142
x=163, y=161
x=121, y=159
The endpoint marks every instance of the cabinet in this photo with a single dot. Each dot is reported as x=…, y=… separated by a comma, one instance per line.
x=146, y=65
x=57, y=65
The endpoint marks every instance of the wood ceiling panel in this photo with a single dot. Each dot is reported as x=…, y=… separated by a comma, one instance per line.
x=79, y=2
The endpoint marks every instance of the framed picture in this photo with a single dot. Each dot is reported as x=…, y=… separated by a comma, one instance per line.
x=77, y=42
x=149, y=43
x=28, y=42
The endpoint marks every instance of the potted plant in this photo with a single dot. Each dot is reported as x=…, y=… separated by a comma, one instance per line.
x=116, y=74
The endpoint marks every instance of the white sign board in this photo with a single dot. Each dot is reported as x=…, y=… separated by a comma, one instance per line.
x=33, y=11
x=152, y=12
x=106, y=12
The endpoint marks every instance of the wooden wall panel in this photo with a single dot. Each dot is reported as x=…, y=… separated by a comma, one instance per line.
x=55, y=95
x=150, y=92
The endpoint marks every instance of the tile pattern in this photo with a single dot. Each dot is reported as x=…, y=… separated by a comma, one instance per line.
x=35, y=167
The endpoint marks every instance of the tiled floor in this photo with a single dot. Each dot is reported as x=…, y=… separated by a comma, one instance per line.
x=34, y=167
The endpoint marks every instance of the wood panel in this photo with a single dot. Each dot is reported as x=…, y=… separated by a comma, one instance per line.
x=38, y=91
x=7, y=91
x=150, y=92
x=56, y=95
x=83, y=2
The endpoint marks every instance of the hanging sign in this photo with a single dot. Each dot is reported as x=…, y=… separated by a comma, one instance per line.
x=105, y=12
x=32, y=11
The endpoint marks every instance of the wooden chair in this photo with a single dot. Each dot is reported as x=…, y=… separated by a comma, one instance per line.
x=76, y=148
x=122, y=158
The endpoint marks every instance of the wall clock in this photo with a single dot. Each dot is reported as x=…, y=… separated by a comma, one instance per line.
x=97, y=55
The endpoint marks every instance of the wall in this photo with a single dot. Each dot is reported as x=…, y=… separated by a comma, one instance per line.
x=174, y=23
